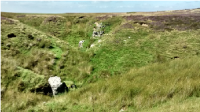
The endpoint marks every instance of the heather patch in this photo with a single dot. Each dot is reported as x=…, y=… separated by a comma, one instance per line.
x=168, y=22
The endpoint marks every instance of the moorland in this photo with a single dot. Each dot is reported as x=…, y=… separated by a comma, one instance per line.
x=144, y=61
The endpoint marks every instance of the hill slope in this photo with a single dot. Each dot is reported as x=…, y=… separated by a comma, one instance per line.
x=142, y=61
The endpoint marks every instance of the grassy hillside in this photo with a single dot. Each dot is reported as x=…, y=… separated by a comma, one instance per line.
x=142, y=62
x=143, y=88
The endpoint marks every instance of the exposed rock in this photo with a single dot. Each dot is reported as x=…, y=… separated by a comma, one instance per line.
x=98, y=30
x=57, y=86
x=92, y=45
x=95, y=33
x=99, y=41
x=81, y=43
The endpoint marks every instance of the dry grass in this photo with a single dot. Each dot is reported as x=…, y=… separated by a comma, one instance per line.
x=143, y=88
x=188, y=105
x=152, y=70
x=18, y=101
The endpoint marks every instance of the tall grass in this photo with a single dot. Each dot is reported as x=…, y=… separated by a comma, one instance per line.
x=143, y=88
x=18, y=101
x=131, y=66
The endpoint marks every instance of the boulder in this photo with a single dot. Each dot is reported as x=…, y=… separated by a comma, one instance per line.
x=81, y=43
x=92, y=45
x=98, y=30
x=57, y=86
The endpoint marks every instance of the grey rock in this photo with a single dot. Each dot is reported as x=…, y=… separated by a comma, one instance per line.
x=98, y=30
x=81, y=43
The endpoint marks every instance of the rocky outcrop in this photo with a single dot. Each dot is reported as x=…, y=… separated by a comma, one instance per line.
x=98, y=30
x=57, y=86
